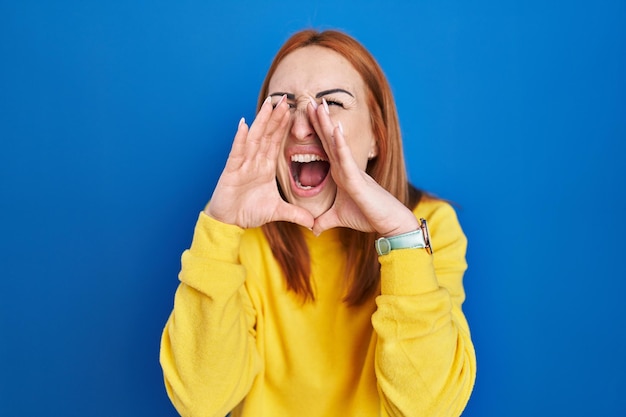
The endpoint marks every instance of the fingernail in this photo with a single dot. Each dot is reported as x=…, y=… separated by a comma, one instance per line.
x=268, y=100
x=282, y=98
x=241, y=122
x=325, y=106
x=313, y=102
x=340, y=127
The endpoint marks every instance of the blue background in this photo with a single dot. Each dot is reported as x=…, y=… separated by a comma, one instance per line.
x=116, y=118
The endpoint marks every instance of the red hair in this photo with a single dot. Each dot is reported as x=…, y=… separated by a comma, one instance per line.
x=388, y=169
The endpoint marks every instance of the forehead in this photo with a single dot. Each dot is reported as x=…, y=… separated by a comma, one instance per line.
x=315, y=68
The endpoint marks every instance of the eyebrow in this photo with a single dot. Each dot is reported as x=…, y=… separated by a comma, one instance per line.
x=334, y=90
x=280, y=94
x=291, y=96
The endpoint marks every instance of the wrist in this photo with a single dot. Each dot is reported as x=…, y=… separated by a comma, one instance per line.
x=417, y=238
x=210, y=213
x=406, y=227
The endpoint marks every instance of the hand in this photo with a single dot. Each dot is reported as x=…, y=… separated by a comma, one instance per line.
x=247, y=194
x=361, y=203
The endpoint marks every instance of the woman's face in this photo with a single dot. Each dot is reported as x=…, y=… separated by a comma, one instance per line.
x=303, y=170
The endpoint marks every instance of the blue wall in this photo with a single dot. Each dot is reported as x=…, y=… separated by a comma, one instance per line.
x=116, y=118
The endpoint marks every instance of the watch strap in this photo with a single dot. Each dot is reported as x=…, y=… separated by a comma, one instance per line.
x=419, y=238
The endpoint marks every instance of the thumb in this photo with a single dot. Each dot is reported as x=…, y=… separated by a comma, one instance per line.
x=326, y=221
x=294, y=214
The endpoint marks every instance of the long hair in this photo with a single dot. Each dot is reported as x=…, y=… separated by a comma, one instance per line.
x=387, y=168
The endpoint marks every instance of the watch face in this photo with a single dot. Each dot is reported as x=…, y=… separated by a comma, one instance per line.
x=383, y=246
x=426, y=234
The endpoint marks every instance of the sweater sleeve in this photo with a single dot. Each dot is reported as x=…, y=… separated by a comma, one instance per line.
x=208, y=352
x=425, y=362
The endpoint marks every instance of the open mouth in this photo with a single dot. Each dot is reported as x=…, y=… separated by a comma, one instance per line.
x=308, y=170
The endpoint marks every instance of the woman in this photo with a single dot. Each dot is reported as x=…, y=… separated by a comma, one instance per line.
x=290, y=304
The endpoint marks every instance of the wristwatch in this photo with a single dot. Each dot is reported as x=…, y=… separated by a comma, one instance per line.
x=417, y=239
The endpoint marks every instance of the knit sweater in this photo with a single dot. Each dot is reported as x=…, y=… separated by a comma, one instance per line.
x=238, y=340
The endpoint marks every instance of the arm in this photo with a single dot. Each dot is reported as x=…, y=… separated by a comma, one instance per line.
x=425, y=360
x=208, y=352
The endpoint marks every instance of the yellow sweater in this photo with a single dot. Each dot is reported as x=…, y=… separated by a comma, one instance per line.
x=238, y=340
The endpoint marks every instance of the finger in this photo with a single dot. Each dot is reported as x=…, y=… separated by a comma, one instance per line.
x=342, y=151
x=315, y=113
x=326, y=124
x=275, y=122
x=326, y=221
x=294, y=214
x=333, y=139
x=273, y=146
x=260, y=121
x=328, y=134
x=238, y=146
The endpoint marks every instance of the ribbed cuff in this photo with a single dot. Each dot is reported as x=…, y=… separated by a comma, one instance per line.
x=407, y=272
x=213, y=239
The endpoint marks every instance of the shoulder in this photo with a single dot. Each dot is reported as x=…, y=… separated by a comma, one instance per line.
x=435, y=210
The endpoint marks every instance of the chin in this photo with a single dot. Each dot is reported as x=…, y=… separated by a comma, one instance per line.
x=316, y=202
x=316, y=209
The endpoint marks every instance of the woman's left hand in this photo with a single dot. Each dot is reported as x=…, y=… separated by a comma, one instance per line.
x=361, y=203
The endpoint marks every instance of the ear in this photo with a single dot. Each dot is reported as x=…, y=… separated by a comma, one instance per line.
x=373, y=153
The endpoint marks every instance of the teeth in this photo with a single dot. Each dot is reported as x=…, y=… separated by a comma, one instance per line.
x=303, y=158
x=303, y=187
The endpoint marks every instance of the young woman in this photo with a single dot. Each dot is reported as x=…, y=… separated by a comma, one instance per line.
x=313, y=285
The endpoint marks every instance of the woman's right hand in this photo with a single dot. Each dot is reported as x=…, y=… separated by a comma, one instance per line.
x=247, y=194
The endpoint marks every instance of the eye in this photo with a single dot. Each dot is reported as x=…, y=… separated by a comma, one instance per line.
x=291, y=105
x=333, y=102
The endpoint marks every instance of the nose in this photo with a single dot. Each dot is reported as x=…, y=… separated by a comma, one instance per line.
x=301, y=128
